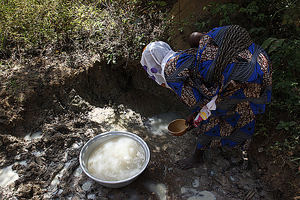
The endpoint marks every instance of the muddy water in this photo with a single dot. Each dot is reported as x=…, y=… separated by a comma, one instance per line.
x=117, y=159
x=7, y=176
x=44, y=165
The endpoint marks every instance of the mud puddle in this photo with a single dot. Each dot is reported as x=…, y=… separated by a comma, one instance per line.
x=44, y=164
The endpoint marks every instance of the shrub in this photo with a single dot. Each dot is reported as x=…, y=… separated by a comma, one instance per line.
x=114, y=28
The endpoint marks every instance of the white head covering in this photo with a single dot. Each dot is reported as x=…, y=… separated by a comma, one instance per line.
x=154, y=59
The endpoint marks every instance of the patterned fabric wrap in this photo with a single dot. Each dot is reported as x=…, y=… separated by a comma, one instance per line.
x=240, y=97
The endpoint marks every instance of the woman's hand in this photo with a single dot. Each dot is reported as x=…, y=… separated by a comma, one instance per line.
x=189, y=121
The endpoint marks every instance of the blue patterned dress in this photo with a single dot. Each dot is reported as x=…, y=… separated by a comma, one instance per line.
x=232, y=123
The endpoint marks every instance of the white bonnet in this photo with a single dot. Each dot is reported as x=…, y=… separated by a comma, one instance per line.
x=154, y=58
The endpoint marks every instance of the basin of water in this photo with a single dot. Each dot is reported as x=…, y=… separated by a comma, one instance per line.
x=114, y=159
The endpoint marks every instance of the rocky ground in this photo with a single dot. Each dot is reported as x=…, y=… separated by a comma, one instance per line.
x=53, y=101
x=45, y=164
x=40, y=140
x=53, y=110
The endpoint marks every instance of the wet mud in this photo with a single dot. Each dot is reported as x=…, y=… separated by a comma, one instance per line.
x=47, y=161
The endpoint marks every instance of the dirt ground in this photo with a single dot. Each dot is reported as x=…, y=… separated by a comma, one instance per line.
x=45, y=155
x=48, y=167
x=50, y=108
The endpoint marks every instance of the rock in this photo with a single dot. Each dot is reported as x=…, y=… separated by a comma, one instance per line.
x=79, y=104
x=87, y=186
x=195, y=182
x=260, y=149
x=48, y=156
x=91, y=196
x=77, y=172
x=159, y=189
x=75, y=198
x=193, y=194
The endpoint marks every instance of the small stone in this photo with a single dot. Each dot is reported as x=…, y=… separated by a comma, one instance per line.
x=87, y=185
x=75, y=198
x=196, y=182
x=193, y=194
x=78, y=172
x=165, y=147
x=91, y=196
x=260, y=149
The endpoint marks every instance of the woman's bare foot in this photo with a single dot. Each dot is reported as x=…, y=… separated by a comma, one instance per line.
x=191, y=162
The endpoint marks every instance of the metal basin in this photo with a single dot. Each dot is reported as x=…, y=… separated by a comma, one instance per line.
x=93, y=143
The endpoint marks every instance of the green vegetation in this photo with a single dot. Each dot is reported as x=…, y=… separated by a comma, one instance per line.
x=113, y=28
x=31, y=23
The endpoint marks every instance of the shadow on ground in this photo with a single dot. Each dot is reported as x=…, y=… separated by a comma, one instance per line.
x=45, y=165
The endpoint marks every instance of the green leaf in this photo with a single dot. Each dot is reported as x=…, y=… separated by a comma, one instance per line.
x=268, y=42
x=292, y=123
x=275, y=45
x=285, y=125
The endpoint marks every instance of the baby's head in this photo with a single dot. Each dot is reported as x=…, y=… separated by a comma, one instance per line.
x=194, y=39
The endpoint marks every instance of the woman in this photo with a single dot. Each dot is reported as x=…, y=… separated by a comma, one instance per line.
x=227, y=76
